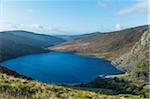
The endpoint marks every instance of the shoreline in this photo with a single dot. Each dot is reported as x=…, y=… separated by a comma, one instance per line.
x=10, y=72
x=48, y=51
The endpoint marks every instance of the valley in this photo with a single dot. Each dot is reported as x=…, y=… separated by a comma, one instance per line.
x=26, y=55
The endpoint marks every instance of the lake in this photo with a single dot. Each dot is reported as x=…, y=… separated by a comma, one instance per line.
x=60, y=67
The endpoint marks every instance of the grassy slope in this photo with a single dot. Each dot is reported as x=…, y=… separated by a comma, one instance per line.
x=18, y=88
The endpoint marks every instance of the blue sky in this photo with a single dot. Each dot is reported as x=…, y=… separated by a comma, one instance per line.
x=72, y=16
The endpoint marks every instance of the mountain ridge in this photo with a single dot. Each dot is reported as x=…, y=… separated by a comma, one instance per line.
x=99, y=43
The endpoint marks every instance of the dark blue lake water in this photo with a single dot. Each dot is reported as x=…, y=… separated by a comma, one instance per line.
x=61, y=68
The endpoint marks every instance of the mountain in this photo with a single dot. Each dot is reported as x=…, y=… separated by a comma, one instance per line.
x=126, y=49
x=72, y=37
x=110, y=45
x=40, y=40
x=16, y=43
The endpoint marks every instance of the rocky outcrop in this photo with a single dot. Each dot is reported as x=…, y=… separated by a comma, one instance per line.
x=137, y=58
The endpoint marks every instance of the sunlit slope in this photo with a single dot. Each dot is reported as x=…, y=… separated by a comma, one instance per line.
x=16, y=88
x=108, y=45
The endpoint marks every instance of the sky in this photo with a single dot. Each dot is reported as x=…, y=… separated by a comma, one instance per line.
x=72, y=16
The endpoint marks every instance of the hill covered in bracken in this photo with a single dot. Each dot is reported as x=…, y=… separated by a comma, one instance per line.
x=109, y=45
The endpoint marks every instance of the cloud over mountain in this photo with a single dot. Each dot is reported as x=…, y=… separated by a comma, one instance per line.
x=33, y=27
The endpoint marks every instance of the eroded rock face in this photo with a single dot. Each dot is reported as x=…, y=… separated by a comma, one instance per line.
x=139, y=53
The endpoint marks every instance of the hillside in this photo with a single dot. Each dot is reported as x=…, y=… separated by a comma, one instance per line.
x=136, y=61
x=17, y=43
x=108, y=45
x=118, y=85
x=128, y=49
x=40, y=40
x=17, y=88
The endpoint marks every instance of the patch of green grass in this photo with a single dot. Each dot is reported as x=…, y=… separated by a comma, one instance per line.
x=132, y=97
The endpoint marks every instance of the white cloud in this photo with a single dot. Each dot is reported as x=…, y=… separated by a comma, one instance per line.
x=139, y=6
x=34, y=28
x=6, y=26
x=12, y=26
x=118, y=27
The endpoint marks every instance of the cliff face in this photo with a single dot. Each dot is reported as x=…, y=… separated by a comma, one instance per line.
x=136, y=61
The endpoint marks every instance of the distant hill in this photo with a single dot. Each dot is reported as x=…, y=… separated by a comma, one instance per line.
x=73, y=37
x=125, y=48
x=16, y=43
x=68, y=37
